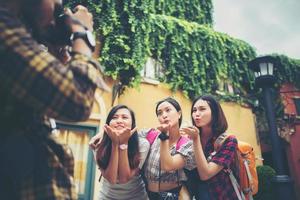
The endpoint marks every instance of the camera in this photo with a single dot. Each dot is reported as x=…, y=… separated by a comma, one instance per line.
x=60, y=32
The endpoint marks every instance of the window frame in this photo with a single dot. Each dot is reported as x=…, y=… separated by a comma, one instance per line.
x=90, y=164
x=297, y=105
x=152, y=70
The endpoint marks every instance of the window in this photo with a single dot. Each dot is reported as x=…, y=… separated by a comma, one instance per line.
x=297, y=105
x=152, y=69
x=77, y=137
x=226, y=87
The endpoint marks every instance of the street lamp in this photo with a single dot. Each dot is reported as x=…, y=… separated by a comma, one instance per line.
x=263, y=68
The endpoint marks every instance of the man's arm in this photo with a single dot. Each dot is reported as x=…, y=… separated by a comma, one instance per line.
x=40, y=80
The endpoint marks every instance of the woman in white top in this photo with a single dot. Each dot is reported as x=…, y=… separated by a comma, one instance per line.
x=120, y=156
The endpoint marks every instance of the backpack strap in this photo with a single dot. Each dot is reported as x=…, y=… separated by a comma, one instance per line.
x=217, y=145
x=249, y=190
x=182, y=140
x=219, y=141
x=236, y=186
x=152, y=135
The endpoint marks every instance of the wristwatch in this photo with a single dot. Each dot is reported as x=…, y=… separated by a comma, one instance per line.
x=87, y=36
x=163, y=136
x=123, y=146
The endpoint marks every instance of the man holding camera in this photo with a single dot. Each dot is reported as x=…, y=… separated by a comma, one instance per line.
x=35, y=85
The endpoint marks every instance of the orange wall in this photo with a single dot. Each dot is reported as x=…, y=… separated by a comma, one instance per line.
x=241, y=120
x=143, y=100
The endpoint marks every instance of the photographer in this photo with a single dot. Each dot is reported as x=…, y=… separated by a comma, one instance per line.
x=36, y=85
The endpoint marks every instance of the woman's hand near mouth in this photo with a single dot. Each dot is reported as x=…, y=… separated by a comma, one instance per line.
x=125, y=134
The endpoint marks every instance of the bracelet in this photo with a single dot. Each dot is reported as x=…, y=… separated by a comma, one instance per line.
x=163, y=136
x=123, y=146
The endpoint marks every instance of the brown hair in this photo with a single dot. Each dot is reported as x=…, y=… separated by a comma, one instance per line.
x=106, y=143
x=174, y=103
x=219, y=123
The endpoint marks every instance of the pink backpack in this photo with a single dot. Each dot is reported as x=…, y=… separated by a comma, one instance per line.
x=152, y=135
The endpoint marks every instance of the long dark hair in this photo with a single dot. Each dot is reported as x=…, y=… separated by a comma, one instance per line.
x=173, y=102
x=106, y=143
x=219, y=123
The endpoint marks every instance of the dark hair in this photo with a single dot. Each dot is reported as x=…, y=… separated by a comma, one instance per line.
x=219, y=123
x=174, y=103
x=106, y=143
x=30, y=15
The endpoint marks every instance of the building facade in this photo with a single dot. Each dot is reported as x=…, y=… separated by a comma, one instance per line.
x=142, y=100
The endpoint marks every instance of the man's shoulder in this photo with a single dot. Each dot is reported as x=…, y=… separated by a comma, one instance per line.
x=10, y=25
x=7, y=17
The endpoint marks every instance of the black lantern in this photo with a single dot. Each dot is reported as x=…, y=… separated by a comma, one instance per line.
x=263, y=68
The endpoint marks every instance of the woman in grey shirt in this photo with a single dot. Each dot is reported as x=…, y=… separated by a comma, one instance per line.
x=120, y=156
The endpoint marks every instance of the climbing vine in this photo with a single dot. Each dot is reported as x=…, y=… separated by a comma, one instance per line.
x=196, y=58
x=287, y=70
x=123, y=32
x=178, y=34
x=194, y=11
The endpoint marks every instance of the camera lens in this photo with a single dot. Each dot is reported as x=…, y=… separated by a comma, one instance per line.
x=60, y=33
x=58, y=10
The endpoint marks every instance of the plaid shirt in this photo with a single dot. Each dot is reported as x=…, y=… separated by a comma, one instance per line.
x=151, y=166
x=34, y=84
x=220, y=187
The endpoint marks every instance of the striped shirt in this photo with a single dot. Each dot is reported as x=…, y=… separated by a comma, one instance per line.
x=151, y=166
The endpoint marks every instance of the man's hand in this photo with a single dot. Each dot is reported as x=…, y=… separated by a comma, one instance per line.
x=82, y=15
x=95, y=141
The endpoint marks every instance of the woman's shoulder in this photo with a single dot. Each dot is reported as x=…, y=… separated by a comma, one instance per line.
x=143, y=143
x=231, y=140
x=230, y=136
x=225, y=139
x=143, y=132
x=184, y=145
x=185, y=142
x=225, y=142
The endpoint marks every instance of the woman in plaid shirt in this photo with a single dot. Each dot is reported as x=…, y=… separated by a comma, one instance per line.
x=209, y=122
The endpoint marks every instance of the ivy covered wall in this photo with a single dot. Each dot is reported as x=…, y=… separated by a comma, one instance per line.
x=288, y=70
x=178, y=34
x=196, y=11
x=196, y=58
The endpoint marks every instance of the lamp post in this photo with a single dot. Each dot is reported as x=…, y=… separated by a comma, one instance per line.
x=263, y=68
